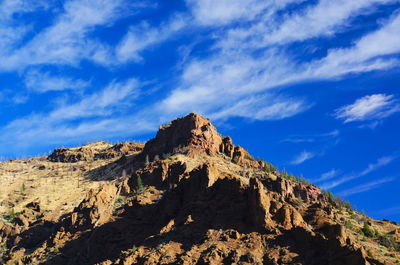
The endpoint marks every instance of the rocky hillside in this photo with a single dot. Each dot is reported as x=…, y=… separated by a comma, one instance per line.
x=188, y=196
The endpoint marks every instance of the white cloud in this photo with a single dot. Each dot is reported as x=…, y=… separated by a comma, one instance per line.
x=11, y=30
x=144, y=36
x=323, y=19
x=302, y=157
x=67, y=41
x=365, y=187
x=95, y=114
x=367, y=54
x=43, y=82
x=230, y=77
x=381, y=162
x=312, y=137
x=370, y=107
x=221, y=12
x=327, y=175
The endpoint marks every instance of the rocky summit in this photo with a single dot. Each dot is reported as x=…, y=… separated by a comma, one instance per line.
x=188, y=196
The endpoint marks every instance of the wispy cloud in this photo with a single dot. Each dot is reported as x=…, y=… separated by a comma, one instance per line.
x=365, y=187
x=222, y=12
x=327, y=175
x=371, y=107
x=144, y=36
x=311, y=137
x=234, y=76
x=381, y=162
x=302, y=157
x=94, y=114
x=67, y=41
x=391, y=210
x=43, y=82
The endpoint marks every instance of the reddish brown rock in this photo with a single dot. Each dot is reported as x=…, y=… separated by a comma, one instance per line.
x=192, y=133
x=309, y=193
x=289, y=217
x=96, y=208
x=259, y=205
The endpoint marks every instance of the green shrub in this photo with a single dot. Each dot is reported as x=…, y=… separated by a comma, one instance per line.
x=367, y=230
x=139, y=186
x=329, y=195
x=22, y=189
x=268, y=167
x=348, y=224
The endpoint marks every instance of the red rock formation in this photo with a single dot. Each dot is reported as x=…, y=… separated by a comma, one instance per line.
x=192, y=132
x=194, y=135
x=96, y=208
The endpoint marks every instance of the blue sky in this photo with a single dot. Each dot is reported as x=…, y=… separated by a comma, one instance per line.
x=311, y=86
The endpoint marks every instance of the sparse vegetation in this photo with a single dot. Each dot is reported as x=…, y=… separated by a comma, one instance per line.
x=269, y=168
x=388, y=241
x=11, y=215
x=348, y=224
x=367, y=230
x=329, y=195
x=293, y=178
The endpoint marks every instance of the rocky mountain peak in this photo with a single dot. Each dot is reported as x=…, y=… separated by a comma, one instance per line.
x=192, y=133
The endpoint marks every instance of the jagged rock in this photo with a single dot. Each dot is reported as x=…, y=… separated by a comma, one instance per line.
x=284, y=187
x=96, y=208
x=227, y=147
x=161, y=174
x=259, y=204
x=192, y=132
x=289, y=217
x=309, y=193
x=194, y=135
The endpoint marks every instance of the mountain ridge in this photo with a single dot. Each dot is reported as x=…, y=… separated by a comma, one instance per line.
x=190, y=196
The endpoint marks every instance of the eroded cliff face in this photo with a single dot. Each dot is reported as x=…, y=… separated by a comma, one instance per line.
x=209, y=202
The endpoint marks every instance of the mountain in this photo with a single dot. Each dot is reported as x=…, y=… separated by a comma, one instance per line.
x=187, y=196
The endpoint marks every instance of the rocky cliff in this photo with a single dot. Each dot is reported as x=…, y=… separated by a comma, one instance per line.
x=193, y=197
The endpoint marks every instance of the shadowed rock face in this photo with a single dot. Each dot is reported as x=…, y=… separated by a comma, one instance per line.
x=189, y=209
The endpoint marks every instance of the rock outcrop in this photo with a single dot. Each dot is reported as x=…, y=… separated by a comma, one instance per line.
x=194, y=135
x=94, y=151
x=96, y=208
